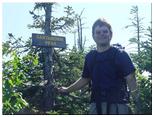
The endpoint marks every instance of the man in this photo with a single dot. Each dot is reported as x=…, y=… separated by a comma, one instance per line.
x=110, y=71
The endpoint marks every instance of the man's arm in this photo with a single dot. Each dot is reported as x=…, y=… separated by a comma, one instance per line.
x=132, y=85
x=131, y=81
x=75, y=86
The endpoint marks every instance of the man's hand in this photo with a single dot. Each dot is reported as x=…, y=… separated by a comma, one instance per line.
x=136, y=99
x=75, y=86
x=63, y=90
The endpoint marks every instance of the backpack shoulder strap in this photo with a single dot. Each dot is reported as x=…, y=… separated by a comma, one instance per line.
x=117, y=48
x=93, y=55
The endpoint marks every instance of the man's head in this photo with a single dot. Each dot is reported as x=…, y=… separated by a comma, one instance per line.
x=101, y=32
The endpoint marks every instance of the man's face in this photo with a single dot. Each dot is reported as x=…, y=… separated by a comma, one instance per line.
x=102, y=35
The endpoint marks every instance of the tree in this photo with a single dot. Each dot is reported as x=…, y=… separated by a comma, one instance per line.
x=140, y=36
x=80, y=41
x=48, y=52
x=68, y=69
x=143, y=60
x=62, y=24
x=136, y=23
x=147, y=52
x=28, y=64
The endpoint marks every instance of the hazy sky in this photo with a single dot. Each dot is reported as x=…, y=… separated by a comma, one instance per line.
x=16, y=17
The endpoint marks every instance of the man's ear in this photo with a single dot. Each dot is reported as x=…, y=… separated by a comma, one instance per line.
x=111, y=34
x=110, y=37
x=93, y=36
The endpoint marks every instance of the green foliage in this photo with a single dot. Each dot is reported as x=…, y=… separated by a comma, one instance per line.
x=13, y=79
x=147, y=51
x=18, y=72
x=146, y=97
x=22, y=72
x=142, y=60
x=68, y=68
x=6, y=47
x=145, y=88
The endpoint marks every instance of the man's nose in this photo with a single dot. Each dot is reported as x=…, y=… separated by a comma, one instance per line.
x=102, y=33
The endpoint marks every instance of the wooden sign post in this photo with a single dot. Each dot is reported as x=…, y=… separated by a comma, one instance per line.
x=48, y=42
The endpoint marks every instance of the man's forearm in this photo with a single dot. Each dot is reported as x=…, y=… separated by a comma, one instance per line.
x=131, y=81
x=78, y=84
x=132, y=85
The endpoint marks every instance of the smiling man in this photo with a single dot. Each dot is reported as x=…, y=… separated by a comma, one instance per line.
x=110, y=71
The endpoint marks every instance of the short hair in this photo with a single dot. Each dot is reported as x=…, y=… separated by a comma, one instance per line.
x=101, y=22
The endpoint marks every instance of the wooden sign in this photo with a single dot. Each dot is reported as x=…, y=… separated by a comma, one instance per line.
x=42, y=40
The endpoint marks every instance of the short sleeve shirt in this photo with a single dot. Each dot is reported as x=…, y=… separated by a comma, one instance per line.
x=106, y=67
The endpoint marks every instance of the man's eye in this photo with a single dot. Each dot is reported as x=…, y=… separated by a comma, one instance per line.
x=98, y=32
x=105, y=31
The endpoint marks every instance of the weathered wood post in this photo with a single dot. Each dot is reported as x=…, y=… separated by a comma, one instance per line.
x=48, y=42
x=48, y=69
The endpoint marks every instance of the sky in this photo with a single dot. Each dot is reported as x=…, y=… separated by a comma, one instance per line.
x=16, y=17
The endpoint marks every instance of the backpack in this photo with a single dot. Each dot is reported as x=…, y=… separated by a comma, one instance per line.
x=97, y=91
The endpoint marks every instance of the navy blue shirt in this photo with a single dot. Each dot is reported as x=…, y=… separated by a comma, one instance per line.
x=107, y=69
